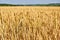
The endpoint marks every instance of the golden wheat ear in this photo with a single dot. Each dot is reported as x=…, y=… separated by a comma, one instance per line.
x=29, y=23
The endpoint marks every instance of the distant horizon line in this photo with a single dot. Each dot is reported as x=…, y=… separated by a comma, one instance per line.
x=26, y=3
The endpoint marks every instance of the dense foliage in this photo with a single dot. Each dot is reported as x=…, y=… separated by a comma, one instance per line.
x=51, y=4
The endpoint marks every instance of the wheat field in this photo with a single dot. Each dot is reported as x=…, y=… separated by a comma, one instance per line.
x=29, y=23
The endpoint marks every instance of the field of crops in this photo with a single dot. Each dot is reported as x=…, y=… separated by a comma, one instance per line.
x=29, y=23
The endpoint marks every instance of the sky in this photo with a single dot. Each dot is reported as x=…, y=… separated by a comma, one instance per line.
x=29, y=1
